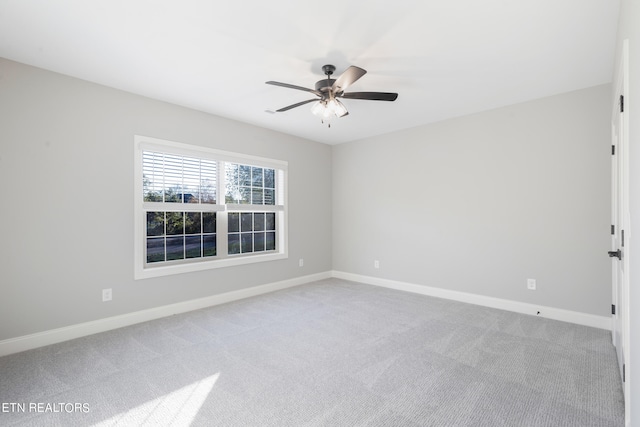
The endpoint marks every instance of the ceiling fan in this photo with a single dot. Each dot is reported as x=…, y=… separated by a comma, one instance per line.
x=329, y=90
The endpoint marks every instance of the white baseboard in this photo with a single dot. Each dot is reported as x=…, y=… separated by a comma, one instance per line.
x=28, y=342
x=592, y=320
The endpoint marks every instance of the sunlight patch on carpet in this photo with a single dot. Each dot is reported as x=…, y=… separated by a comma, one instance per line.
x=179, y=407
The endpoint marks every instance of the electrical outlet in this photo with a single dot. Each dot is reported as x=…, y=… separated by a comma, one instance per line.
x=531, y=284
x=301, y=263
x=107, y=295
x=376, y=264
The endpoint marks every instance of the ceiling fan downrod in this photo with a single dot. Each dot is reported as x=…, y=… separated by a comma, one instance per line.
x=328, y=70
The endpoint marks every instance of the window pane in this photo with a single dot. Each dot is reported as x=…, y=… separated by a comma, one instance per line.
x=172, y=178
x=256, y=196
x=155, y=223
x=208, y=174
x=241, y=195
x=152, y=176
x=234, y=222
x=247, y=222
x=245, y=195
x=193, y=246
x=208, y=222
x=175, y=248
x=155, y=249
x=192, y=223
x=247, y=242
x=234, y=244
x=256, y=177
x=232, y=192
x=269, y=197
x=258, y=221
x=209, y=245
x=175, y=223
x=271, y=221
x=231, y=171
x=258, y=242
x=269, y=178
x=271, y=241
x=244, y=175
x=191, y=180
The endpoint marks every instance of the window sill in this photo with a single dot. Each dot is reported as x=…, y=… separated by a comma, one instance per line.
x=235, y=260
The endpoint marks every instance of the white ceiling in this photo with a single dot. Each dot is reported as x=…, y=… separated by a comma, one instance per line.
x=445, y=58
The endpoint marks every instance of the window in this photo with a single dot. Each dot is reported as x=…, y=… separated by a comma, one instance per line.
x=198, y=208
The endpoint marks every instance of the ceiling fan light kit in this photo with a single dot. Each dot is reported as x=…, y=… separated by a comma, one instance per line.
x=329, y=90
x=327, y=109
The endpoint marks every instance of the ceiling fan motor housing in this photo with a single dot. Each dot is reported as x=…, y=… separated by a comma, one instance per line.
x=324, y=85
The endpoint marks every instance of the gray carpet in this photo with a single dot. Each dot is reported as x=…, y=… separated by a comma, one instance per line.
x=330, y=353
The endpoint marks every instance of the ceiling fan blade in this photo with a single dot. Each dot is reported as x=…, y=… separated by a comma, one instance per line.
x=347, y=78
x=315, y=92
x=289, y=107
x=372, y=96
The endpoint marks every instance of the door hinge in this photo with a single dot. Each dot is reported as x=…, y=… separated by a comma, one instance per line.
x=613, y=150
x=622, y=232
x=622, y=103
x=613, y=229
x=613, y=309
x=623, y=372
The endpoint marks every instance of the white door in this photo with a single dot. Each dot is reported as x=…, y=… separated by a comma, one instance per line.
x=617, y=252
x=620, y=231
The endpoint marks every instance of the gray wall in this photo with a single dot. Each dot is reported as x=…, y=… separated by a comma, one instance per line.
x=628, y=28
x=476, y=204
x=66, y=180
x=480, y=203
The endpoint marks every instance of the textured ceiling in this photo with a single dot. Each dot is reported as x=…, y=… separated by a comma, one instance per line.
x=445, y=58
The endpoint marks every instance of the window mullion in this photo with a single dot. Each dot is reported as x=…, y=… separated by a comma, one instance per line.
x=164, y=235
x=181, y=207
x=222, y=227
x=164, y=178
x=200, y=184
x=254, y=208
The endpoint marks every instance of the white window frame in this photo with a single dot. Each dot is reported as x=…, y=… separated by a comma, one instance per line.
x=142, y=270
